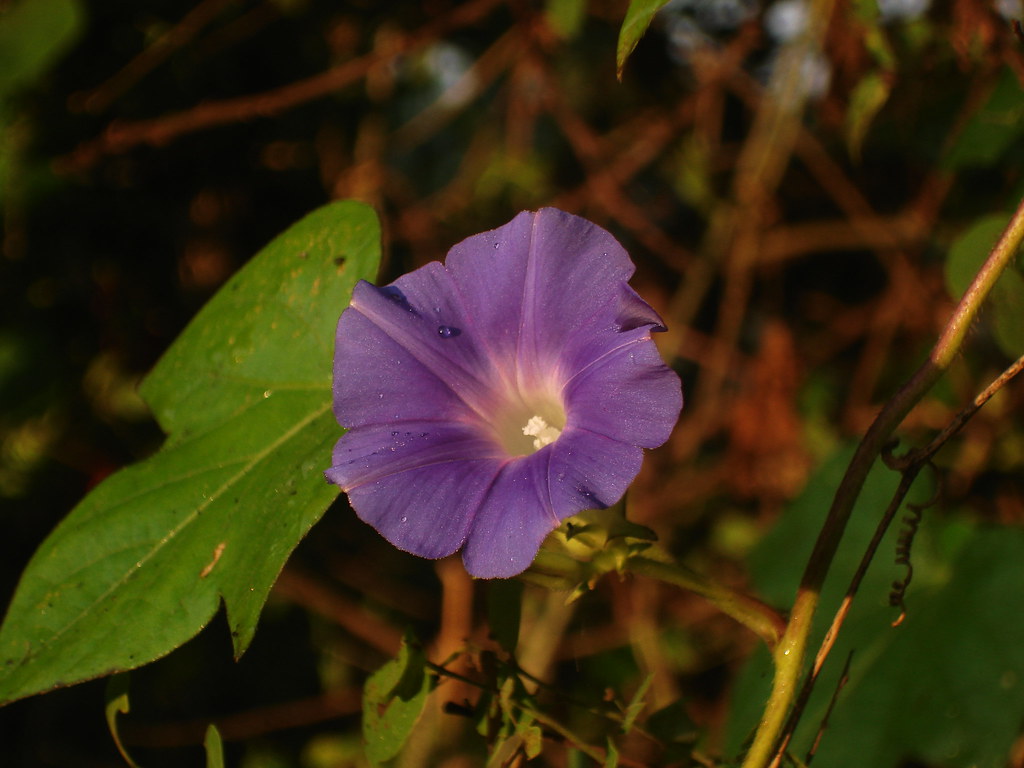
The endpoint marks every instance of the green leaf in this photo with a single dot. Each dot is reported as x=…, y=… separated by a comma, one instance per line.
x=638, y=18
x=142, y=563
x=1006, y=302
x=412, y=664
x=565, y=17
x=611, y=758
x=33, y=35
x=636, y=704
x=392, y=704
x=994, y=129
x=214, y=747
x=531, y=735
x=508, y=745
x=867, y=98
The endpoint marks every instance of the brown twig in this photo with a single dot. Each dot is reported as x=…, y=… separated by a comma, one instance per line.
x=350, y=616
x=923, y=455
x=783, y=243
x=844, y=678
x=604, y=190
x=182, y=33
x=484, y=70
x=123, y=136
x=249, y=724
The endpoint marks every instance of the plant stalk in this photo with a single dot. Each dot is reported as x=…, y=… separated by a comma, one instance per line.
x=790, y=652
x=758, y=617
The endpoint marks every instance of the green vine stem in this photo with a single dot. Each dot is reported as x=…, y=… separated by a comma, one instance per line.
x=760, y=618
x=789, y=654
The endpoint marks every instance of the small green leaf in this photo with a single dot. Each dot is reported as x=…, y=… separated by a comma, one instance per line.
x=143, y=562
x=638, y=19
x=1006, y=302
x=565, y=17
x=691, y=170
x=508, y=696
x=390, y=705
x=33, y=35
x=636, y=705
x=518, y=735
x=504, y=751
x=410, y=678
x=531, y=735
x=117, y=703
x=877, y=43
x=867, y=98
x=994, y=128
x=873, y=36
x=611, y=758
x=214, y=747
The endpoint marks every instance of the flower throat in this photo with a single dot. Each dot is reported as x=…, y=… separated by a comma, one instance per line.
x=529, y=424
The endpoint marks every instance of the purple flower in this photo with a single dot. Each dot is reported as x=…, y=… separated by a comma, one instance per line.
x=489, y=398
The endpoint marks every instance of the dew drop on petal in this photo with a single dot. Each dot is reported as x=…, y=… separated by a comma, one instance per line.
x=404, y=519
x=448, y=331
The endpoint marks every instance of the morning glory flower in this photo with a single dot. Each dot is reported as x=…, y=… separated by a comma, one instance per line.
x=491, y=397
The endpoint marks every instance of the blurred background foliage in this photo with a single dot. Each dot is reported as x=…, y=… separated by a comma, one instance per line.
x=805, y=186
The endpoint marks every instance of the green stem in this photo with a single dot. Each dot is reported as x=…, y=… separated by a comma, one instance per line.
x=760, y=618
x=789, y=654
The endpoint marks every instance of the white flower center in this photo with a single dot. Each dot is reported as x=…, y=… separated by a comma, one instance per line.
x=541, y=433
x=528, y=422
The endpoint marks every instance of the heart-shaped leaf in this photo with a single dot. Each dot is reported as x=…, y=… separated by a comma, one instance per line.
x=142, y=563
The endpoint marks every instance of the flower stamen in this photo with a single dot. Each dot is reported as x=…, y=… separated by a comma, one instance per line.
x=528, y=422
x=538, y=429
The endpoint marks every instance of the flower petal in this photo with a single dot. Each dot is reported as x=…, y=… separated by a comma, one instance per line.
x=532, y=495
x=590, y=471
x=390, y=363
x=634, y=313
x=419, y=483
x=367, y=454
x=527, y=285
x=626, y=393
x=425, y=511
x=512, y=519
